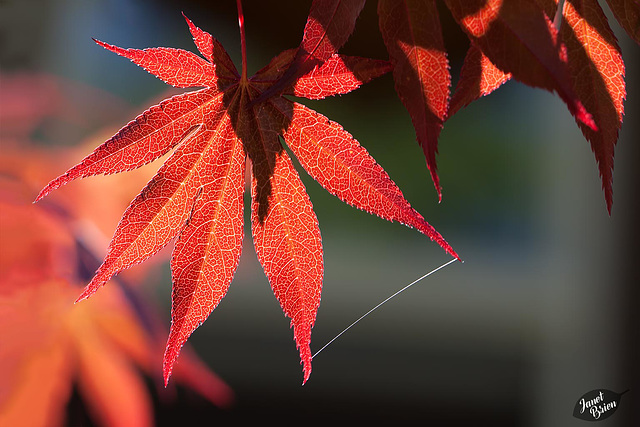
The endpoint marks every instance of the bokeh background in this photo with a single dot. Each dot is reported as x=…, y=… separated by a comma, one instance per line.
x=544, y=309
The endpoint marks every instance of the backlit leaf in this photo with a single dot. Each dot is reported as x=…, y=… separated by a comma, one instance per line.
x=413, y=36
x=196, y=196
x=597, y=75
x=328, y=27
x=478, y=77
x=519, y=38
x=627, y=12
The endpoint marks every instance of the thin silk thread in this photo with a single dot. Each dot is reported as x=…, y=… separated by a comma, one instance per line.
x=383, y=302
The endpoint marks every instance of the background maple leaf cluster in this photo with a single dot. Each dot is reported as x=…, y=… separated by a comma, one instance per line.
x=53, y=352
x=518, y=320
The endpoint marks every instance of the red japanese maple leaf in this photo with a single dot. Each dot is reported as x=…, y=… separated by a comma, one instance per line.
x=517, y=39
x=591, y=67
x=411, y=31
x=197, y=194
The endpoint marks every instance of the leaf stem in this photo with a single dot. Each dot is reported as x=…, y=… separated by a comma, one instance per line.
x=243, y=43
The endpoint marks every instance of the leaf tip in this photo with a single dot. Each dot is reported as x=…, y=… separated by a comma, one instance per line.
x=453, y=253
x=89, y=290
x=305, y=356
x=95, y=284
x=113, y=48
x=83, y=296
x=437, y=237
x=40, y=196
x=166, y=375
x=171, y=353
x=52, y=185
x=168, y=362
x=307, y=372
x=608, y=198
x=189, y=22
x=436, y=180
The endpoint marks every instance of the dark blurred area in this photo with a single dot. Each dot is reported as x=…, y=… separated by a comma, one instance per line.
x=544, y=308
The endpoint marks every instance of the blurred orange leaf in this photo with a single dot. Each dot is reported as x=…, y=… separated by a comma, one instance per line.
x=48, y=343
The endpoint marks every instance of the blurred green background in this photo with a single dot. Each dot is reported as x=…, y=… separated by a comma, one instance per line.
x=543, y=310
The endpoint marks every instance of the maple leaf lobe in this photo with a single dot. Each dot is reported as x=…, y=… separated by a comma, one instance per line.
x=176, y=67
x=597, y=75
x=519, y=38
x=627, y=12
x=208, y=249
x=328, y=27
x=412, y=33
x=478, y=77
